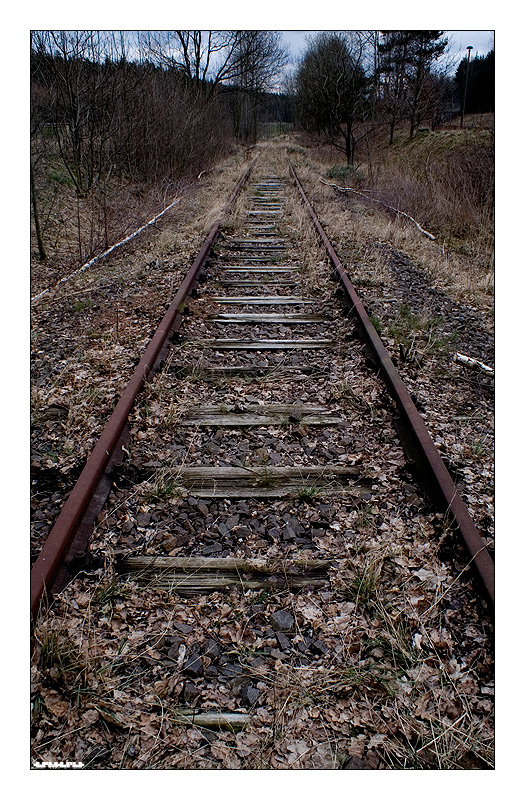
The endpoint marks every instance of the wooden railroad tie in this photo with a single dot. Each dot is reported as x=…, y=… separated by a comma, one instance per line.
x=199, y=574
x=250, y=415
x=263, y=344
x=265, y=482
x=263, y=300
x=269, y=319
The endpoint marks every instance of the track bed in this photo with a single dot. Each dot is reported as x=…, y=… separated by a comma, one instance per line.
x=267, y=584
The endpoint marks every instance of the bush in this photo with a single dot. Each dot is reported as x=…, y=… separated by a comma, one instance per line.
x=345, y=173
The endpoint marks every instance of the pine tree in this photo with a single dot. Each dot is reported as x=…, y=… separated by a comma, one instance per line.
x=406, y=58
x=481, y=83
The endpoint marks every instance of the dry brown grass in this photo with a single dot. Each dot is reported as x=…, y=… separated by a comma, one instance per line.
x=444, y=180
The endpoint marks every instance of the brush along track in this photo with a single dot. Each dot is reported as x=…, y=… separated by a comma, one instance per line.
x=265, y=504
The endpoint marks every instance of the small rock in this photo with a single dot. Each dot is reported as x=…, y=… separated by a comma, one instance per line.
x=284, y=642
x=169, y=544
x=249, y=695
x=260, y=544
x=173, y=652
x=211, y=548
x=275, y=534
x=193, y=665
x=212, y=649
x=294, y=525
x=282, y=621
x=318, y=648
x=190, y=692
x=241, y=531
x=182, y=627
x=143, y=519
x=288, y=533
x=182, y=541
x=230, y=670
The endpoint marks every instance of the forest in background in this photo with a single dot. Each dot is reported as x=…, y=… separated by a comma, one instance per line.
x=118, y=131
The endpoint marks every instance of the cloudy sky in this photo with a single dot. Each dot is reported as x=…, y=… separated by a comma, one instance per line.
x=481, y=41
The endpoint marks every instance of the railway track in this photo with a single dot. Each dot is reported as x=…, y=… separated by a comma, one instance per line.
x=252, y=472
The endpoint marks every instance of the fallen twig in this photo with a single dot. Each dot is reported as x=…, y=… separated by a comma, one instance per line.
x=374, y=200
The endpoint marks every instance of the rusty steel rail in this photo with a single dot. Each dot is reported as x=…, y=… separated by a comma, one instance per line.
x=55, y=548
x=445, y=486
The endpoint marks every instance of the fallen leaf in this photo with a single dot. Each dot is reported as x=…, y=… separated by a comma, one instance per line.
x=296, y=751
x=356, y=747
x=423, y=574
x=54, y=703
x=90, y=717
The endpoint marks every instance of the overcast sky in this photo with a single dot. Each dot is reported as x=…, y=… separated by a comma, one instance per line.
x=481, y=41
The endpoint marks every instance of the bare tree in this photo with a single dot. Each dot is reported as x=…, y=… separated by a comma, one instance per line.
x=80, y=72
x=394, y=53
x=427, y=46
x=37, y=124
x=209, y=58
x=154, y=120
x=82, y=108
x=262, y=58
x=331, y=88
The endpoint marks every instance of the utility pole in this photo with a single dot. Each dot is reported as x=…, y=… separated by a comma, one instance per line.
x=469, y=48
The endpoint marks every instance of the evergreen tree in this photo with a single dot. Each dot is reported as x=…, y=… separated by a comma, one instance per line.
x=406, y=58
x=481, y=83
